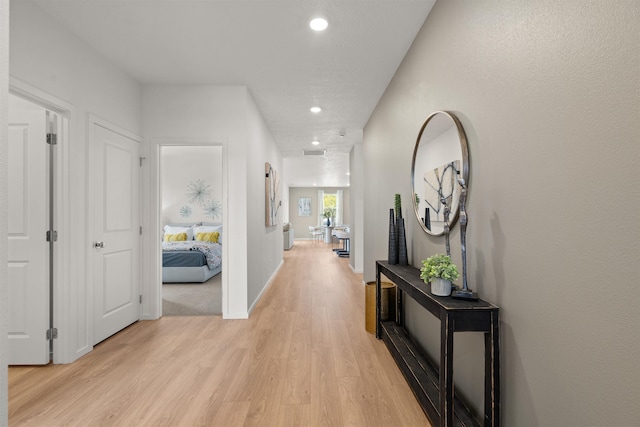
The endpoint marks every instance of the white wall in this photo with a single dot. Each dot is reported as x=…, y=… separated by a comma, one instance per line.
x=356, y=223
x=181, y=167
x=264, y=244
x=219, y=115
x=4, y=138
x=548, y=95
x=56, y=65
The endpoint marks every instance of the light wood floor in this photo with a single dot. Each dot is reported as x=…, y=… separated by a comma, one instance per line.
x=302, y=359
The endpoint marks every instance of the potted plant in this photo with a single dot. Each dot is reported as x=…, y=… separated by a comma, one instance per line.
x=440, y=272
x=328, y=214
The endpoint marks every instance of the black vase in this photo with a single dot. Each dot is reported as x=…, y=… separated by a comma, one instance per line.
x=427, y=219
x=393, y=239
x=403, y=259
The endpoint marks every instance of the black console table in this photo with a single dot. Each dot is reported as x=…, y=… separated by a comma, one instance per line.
x=433, y=386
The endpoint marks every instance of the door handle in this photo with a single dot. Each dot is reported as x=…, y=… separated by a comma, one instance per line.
x=98, y=245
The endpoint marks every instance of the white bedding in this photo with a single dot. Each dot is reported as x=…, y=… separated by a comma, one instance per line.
x=211, y=251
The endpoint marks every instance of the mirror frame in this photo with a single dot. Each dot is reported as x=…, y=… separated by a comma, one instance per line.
x=465, y=167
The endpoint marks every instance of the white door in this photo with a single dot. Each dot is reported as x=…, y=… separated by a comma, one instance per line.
x=28, y=223
x=116, y=215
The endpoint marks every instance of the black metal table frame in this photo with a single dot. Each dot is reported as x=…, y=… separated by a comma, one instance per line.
x=346, y=249
x=437, y=400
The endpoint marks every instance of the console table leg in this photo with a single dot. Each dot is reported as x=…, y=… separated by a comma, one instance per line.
x=492, y=374
x=399, y=307
x=446, y=370
x=378, y=304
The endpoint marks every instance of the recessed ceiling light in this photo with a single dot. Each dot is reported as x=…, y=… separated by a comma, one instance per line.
x=316, y=142
x=348, y=173
x=315, y=109
x=318, y=24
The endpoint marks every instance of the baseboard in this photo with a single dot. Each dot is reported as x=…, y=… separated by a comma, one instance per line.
x=259, y=297
x=232, y=316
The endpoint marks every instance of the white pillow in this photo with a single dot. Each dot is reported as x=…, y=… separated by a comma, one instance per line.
x=208, y=229
x=169, y=229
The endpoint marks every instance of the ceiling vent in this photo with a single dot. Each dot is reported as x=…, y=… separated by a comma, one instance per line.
x=314, y=152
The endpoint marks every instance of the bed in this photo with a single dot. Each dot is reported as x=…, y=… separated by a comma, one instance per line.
x=191, y=253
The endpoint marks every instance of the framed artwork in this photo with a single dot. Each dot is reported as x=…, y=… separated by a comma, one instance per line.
x=272, y=195
x=304, y=206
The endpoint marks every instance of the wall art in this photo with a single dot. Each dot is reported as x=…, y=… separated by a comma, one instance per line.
x=304, y=206
x=272, y=195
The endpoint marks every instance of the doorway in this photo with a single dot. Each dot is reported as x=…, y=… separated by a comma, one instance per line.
x=190, y=212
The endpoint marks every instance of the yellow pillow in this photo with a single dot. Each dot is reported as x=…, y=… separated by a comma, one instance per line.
x=175, y=237
x=208, y=237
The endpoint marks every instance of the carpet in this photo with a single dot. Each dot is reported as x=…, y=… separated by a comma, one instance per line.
x=193, y=299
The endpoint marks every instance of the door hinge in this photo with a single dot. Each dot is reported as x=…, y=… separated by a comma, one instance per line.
x=140, y=298
x=52, y=236
x=52, y=139
x=52, y=334
x=141, y=230
x=141, y=159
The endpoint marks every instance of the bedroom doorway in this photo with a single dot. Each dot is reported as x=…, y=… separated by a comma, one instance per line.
x=191, y=195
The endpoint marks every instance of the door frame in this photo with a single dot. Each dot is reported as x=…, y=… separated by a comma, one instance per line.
x=152, y=288
x=63, y=351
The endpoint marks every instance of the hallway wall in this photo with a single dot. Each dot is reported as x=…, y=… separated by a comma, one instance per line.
x=226, y=116
x=53, y=61
x=548, y=95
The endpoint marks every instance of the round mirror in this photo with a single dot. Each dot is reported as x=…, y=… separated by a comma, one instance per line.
x=440, y=159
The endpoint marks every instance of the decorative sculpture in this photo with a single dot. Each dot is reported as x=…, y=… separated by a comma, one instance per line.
x=465, y=292
x=443, y=200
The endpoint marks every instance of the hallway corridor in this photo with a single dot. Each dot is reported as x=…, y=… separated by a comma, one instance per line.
x=303, y=358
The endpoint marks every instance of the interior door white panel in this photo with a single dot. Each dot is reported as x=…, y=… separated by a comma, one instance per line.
x=28, y=249
x=116, y=210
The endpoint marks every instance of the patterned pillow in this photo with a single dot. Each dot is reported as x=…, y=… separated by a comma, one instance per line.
x=208, y=237
x=180, y=237
x=170, y=229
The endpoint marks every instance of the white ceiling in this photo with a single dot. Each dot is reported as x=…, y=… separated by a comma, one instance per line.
x=267, y=46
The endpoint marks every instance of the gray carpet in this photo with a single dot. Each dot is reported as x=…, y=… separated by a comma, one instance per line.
x=193, y=299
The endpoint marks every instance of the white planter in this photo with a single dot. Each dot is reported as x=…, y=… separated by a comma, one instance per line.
x=440, y=287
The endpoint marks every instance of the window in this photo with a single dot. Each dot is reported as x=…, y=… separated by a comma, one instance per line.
x=331, y=201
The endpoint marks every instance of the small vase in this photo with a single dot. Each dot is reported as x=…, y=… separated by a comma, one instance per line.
x=402, y=244
x=440, y=287
x=393, y=239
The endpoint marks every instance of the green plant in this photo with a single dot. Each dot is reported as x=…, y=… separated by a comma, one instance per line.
x=328, y=213
x=438, y=265
x=398, y=205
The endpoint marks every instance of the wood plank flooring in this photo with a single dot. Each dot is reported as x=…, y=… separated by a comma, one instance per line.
x=302, y=359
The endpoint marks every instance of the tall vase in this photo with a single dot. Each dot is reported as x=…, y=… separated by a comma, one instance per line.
x=402, y=244
x=393, y=239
